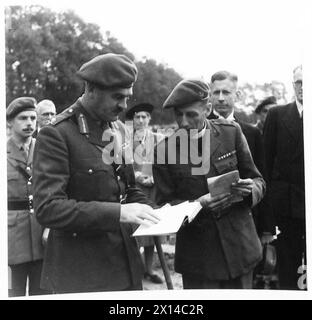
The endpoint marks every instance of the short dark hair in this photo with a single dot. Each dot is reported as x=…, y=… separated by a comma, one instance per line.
x=222, y=75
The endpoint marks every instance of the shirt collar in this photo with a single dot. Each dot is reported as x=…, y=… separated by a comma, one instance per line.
x=25, y=146
x=201, y=133
x=231, y=116
x=299, y=107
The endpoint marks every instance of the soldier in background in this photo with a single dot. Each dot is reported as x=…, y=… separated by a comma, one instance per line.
x=25, y=251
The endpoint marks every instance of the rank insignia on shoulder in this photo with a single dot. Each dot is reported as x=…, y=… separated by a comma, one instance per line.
x=226, y=155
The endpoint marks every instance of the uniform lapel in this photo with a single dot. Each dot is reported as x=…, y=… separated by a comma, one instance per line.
x=214, y=138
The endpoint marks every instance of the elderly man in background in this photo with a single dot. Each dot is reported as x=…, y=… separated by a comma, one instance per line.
x=46, y=112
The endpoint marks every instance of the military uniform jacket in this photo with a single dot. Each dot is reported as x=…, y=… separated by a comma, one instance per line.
x=78, y=196
x=24, y=232
x=220, y=246
x=284, y=157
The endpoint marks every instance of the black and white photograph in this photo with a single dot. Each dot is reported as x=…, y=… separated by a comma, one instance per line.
x=156, y=150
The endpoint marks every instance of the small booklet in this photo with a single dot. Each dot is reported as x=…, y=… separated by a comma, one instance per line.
x=222, y=184
x=171, y=219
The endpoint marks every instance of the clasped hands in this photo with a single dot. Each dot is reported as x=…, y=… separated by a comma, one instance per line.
x=243, y=188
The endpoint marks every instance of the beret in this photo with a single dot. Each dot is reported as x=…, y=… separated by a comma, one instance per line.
x=109, y=70
x=187, y=91
x=139, y=107
x=265, y=102
x=20, y=104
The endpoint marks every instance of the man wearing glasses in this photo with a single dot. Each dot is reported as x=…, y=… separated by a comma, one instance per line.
x=284, y=157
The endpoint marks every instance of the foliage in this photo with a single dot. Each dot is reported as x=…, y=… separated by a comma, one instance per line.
x=44, y=50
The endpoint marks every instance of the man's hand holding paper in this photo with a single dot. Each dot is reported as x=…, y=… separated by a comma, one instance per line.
x=242, y=187
x=215, y=203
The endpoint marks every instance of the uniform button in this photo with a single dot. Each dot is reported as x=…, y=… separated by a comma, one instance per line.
x=28, y=168
x=31, y=210
x=70, y=110
x=74, y=234
x=90, y=171
x=118, y=178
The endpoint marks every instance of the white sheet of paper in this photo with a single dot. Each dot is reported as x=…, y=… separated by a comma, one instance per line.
x=222, y=184
x=171, y=219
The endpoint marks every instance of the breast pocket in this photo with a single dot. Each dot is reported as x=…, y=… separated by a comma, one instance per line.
x=91, y=179
x=226, y=164
x=12, y=175
x=188, y=186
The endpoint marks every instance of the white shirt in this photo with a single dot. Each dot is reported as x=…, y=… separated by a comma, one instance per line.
x=299, y=107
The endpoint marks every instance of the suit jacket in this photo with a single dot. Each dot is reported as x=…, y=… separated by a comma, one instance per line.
x=24, y=232
x=284, y=157
x=78, y=197
x=223, y=247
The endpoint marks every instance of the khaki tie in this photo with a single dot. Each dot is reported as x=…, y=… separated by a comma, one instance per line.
x=24, y=151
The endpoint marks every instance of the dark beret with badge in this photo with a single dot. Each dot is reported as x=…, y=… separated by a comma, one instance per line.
x=147, y=107
x=19, y=105
x=267, y=101
x=109, y=70
x=186, y=92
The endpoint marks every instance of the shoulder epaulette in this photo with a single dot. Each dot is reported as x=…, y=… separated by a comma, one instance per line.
x=65, y=114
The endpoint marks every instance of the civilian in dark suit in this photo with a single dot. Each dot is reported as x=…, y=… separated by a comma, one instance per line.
x=283, y=142
x=220, y=247
x=224, y=94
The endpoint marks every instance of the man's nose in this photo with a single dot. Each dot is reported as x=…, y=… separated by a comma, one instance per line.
x=221, y=97
x=184, y=122
x=123, y=104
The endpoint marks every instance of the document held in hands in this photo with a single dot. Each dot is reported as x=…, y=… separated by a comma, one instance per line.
x=171, y=219
x=222, y=184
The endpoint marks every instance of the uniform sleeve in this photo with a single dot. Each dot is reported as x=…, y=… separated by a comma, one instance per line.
x=51, y=174
x=247, y=168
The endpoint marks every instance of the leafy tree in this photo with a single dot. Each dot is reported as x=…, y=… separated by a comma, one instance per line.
x=44, y=50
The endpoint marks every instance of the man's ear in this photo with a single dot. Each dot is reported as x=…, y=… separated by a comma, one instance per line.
x=9, y=124
x=239, y=95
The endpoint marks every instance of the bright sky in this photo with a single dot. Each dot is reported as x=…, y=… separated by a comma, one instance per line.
x=261, y=41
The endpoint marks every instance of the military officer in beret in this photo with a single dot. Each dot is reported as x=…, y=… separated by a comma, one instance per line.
x=220, y=247
x=25, y=250
x=90, y=205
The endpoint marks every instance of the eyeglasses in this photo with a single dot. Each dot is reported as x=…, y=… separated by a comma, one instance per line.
x=298, y=83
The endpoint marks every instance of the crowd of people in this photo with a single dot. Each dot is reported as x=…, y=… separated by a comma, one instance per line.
x=75, y=197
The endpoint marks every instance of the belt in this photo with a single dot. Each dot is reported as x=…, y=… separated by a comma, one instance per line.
x=18, y=205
